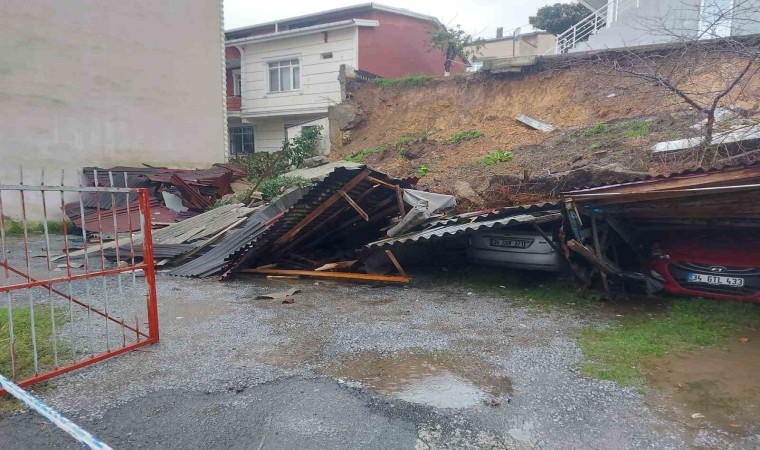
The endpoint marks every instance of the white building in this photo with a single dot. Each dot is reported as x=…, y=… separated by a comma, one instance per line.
x=283, y=75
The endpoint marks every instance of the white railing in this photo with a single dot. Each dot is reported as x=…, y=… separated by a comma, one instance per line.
x=601, y=18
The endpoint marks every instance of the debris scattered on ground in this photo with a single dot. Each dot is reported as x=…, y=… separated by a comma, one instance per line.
x=535, y=123
x=279, y=295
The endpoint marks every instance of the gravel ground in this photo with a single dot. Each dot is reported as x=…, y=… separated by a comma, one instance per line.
x=235, y=372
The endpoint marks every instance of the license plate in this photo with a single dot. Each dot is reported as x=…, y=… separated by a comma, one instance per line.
x=716, y=279
x=510, y=243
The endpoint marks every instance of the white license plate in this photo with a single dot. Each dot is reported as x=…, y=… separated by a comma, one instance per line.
x=510, y=243
x=716, y=279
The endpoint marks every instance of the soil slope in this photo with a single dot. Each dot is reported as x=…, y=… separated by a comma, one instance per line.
x=601, y=121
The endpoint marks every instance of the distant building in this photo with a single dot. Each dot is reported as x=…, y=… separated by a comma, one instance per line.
x=511, y=46
x=94, y=83
x=629, y=23
x=282, y=75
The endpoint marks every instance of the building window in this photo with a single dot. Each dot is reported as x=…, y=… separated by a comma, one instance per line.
x=241, y=140
x=237, y=83
x=716, y=18
x=284, y=75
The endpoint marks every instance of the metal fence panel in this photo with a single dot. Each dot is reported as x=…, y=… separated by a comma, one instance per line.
x=66, y=304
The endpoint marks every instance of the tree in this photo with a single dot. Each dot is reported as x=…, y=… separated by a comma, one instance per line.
x=714, y=42
x=453, y=42
x=558, y=18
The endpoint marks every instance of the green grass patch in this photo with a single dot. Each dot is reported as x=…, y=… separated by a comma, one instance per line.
x=423, y=170
x=361, y=155
x=465, y=136
x=416, y=136
x=408, y=81
x=496, y=157
x=22, y=332
x=617, y=353
x=636, y=128
x=16, y=227
x=599, y=128
x=629, y=129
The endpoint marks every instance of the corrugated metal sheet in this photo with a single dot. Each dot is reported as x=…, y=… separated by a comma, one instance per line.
x=654, y=178
x=442, y=232
x=214, y=261
x=337, y=223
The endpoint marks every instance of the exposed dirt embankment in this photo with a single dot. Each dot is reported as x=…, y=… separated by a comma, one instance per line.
x=604, y=124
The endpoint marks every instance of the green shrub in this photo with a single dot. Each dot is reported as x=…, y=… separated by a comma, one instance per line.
x=16, y=227
x=295, y=151
x=273, y=186
x=497, y=156
x=403, y=82
x=403, y=152
x=415, y=136
x=465, y=136
x=423, y=170
x=361, y=155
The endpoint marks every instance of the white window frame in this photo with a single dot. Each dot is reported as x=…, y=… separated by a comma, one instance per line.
x=237, y=83
x=279, y=68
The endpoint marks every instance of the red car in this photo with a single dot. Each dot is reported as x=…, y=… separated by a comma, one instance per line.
x=723, y=265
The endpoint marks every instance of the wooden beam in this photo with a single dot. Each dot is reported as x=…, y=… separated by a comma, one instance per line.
x=549, y=240
x=354, y=205
x=400, y=200
x=602, y=264
x=384, y=183
x=323, y=207
x=598, y=248
x=396, y=263
x=346, y=275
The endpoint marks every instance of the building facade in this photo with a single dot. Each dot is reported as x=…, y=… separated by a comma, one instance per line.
x=88, y=83
x=627, y=23
x=283, y=75
x=513, y=45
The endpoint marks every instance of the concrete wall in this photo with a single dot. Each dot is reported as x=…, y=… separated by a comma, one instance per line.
x=323, y=148
x=270, y=132
x=663, y=21
x=528, y=45
x=88, y=82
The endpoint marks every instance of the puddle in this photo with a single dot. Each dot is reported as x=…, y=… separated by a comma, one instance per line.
x=721, y=383
x=440, y=379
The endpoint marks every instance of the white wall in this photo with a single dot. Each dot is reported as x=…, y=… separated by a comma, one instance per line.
x=270, y=132
x=319, y=77
x=93, y=82
x=323, y=148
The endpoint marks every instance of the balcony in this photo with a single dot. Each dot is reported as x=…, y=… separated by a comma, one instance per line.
x=234, y=103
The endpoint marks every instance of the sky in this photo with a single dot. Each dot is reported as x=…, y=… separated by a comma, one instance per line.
x=477, y=17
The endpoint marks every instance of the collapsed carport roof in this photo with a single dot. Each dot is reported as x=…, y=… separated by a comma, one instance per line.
x=707, y=197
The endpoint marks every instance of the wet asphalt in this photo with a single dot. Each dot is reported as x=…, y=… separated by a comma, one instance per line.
x=235, y=372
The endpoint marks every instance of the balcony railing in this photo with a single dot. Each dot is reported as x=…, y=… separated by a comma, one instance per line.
x=234, y=103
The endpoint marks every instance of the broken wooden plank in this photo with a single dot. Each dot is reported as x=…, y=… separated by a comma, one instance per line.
x=354, y=205
x=535, y=123
x=336, y=266
x=346, y=275
x=395, y=262
x=601, y=263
